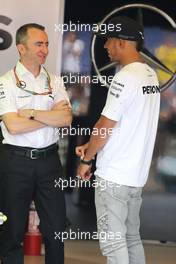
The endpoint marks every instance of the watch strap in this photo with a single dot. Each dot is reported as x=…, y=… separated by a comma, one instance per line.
x=87, y=162
x=32, y=115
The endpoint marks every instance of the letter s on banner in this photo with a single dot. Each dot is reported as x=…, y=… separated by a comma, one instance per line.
x=6, y=37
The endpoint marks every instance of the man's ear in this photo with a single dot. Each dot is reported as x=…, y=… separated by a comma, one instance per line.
x=21, y=48
x=122, y=43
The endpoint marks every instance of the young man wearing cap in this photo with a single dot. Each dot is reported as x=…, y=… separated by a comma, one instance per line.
x=124, y=156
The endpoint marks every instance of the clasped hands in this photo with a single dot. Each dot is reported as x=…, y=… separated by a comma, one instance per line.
x=84, y=170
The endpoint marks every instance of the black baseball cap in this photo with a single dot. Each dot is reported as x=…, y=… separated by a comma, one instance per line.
x=121, y=27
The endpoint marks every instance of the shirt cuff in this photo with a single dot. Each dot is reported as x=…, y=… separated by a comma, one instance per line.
x=8, y=111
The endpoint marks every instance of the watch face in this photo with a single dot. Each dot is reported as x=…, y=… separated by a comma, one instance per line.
x=32, y=114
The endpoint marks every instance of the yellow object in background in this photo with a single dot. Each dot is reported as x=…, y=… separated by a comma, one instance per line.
x=167, y=54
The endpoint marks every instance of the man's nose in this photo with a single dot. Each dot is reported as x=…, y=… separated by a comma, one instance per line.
x=45, y=49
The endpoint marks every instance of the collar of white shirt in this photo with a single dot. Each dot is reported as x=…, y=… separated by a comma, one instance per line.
x=22, y=71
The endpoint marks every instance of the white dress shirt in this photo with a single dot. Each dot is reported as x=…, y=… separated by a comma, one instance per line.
x=13, y=98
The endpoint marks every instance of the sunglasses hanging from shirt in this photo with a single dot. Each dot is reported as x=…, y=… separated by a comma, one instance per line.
x=22, y=84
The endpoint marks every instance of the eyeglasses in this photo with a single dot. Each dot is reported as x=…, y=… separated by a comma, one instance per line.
x=22, y=84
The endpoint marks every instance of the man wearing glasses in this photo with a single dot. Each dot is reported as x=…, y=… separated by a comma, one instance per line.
x=32, y=106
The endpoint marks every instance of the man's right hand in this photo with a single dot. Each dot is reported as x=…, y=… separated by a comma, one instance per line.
x=81, y=150
x=62, y=105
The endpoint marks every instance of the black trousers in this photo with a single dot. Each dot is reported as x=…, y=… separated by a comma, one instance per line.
x=21, y=181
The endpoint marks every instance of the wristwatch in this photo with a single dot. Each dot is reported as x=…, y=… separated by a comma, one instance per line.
x=32, y=115
x=87, y=162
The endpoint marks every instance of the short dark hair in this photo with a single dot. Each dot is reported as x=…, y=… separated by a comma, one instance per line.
x=21, y=34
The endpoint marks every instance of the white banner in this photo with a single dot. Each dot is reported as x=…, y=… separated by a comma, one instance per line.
x=15, y=13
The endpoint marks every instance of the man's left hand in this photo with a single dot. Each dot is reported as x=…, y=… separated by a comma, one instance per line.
x=84, y=171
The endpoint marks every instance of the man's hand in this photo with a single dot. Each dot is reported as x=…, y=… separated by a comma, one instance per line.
x=95, y=144
x=81, y=150
x=84, y=171
x=62, y=105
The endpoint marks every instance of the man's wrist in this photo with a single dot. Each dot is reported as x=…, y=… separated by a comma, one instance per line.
x=32, y=114
x=87, y=162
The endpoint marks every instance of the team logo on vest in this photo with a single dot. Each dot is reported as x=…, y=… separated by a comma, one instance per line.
x=2, y=94
x=151, y=89
x=113, y=94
